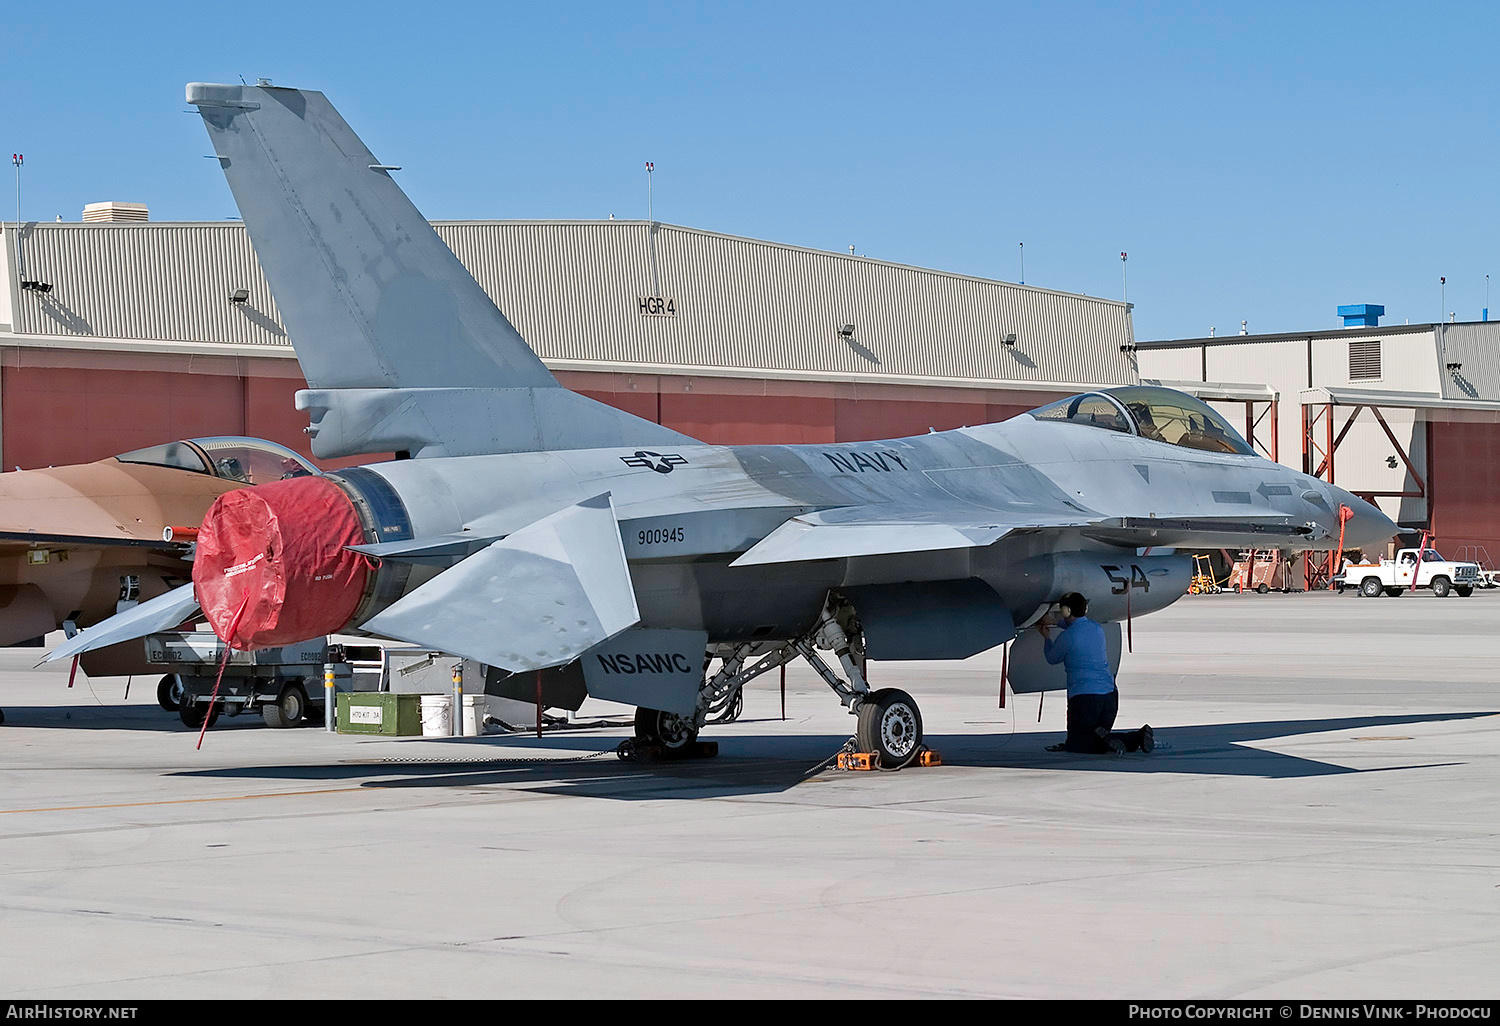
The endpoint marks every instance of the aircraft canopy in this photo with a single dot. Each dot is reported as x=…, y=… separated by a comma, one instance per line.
x=248, y=460
x=1152, y=412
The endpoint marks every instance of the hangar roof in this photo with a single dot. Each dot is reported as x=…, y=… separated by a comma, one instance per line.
x=583, y=295
x=1458, y=361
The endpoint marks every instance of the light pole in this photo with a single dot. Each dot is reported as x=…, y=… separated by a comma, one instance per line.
x=1442, y=295
x=18, y=159
x=1124, y=278
x=650, y=167
x=1023, y=261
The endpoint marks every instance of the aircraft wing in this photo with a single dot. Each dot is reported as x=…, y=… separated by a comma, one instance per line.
x=18, y=540
x=879, y=530
x=850, y=531
x=539, y=598
x=158, y=614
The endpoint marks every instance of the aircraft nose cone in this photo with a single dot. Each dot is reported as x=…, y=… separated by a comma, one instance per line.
x=1368, y=528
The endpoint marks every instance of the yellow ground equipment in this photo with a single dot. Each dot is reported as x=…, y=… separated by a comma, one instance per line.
x=1204, y=582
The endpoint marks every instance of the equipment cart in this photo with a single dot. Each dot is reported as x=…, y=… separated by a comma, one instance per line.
x=283, y=684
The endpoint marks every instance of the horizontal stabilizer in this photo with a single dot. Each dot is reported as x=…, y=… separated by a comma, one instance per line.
x=442, y=549
x=880, y=530
x=159, y=614
x=539, y=598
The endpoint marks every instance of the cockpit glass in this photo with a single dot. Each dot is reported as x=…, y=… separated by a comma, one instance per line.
x=247, y=460
x=178, y=455
x=1167, y=415
x=1094, y=409
x=253, y=462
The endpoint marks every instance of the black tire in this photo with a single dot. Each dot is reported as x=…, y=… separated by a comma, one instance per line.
x=1441, y=586
x=288, y=709
x=191, y=714
x=169, y=692
x=668, y=731
x=1464, y=590
x=1394, y=592
x=890, y=725
x=2, y=715
x=1262, y=588
x=1370, y=587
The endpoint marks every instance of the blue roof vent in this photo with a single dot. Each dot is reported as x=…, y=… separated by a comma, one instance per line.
x=1361, y=315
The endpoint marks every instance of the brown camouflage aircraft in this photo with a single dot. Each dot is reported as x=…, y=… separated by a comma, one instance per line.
x=78, y=542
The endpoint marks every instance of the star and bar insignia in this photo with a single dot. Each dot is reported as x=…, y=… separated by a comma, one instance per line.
x=662, y=463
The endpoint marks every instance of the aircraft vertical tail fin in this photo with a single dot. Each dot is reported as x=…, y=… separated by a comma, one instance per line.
x=395, y=337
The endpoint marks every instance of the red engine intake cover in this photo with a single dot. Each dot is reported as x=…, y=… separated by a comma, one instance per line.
x=280, y=551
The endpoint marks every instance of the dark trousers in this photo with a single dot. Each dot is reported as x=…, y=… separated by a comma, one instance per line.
x=1086, y=714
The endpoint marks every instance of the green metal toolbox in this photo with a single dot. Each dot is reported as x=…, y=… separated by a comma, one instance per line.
x=376, y=712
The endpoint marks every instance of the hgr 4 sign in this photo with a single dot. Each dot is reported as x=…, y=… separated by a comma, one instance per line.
x=657, y=306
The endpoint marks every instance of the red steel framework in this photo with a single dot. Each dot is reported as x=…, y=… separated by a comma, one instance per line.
x=1317, y=460
x=1252, y=421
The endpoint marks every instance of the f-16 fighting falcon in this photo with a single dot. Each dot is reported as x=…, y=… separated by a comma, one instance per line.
x=540, y=532
x=80, y=542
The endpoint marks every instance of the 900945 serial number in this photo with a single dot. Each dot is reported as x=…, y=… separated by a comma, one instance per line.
x=660, y=535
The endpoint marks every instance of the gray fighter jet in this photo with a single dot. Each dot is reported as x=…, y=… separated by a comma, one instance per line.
x=551, y=536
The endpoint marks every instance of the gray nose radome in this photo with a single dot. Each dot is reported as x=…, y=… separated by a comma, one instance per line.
x=1368, y=528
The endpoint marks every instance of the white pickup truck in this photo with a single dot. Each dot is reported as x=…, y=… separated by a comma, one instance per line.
x=1393, y=576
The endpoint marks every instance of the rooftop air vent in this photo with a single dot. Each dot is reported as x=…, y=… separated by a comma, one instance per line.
x=1364, y=360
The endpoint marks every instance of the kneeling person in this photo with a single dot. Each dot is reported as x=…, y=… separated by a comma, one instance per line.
x=1093, y=700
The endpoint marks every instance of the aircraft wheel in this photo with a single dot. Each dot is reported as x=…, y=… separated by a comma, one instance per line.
x=889, y=724
x=1370, y=587
x=192, y=714
x=1441, y=586
x=2, y=715
x=1464, y=590
x=670, y=731
x=288, y=709
x=169, y=692
x=1394, y=592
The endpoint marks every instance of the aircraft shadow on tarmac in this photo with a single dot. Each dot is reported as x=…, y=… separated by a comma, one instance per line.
x=770, y=764
x=104, y=716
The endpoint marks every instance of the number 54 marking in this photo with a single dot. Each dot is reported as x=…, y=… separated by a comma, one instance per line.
x=1120, y=584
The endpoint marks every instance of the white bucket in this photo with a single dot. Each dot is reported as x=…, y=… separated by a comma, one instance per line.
x=437, y=715
x=476, y=707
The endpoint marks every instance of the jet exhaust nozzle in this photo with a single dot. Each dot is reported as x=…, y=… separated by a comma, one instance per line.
x=280, y=550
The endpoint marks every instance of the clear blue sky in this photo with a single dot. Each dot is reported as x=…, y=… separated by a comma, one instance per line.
x=1259, y=161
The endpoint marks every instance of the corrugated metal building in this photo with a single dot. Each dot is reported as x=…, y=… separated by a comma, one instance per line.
x=162, y=330
x=1410, y=412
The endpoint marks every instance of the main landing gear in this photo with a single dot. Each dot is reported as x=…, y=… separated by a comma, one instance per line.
x=888, y=723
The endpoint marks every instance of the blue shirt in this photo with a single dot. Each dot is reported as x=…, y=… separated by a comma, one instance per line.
x=1081, y=649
